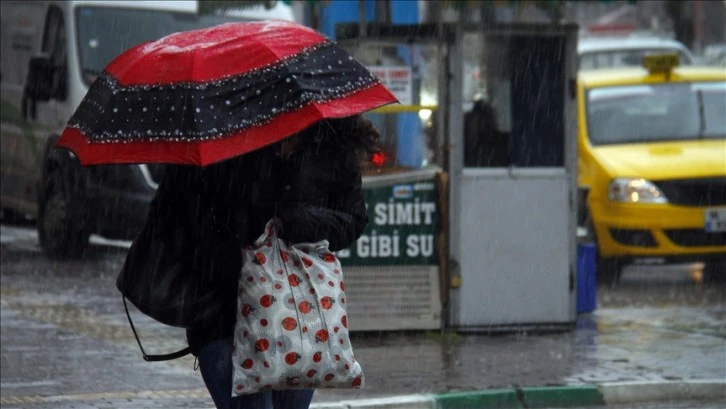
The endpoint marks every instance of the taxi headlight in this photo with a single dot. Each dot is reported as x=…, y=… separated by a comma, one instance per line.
x=631, y=190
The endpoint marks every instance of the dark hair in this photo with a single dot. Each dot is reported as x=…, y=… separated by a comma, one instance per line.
x=356, y=130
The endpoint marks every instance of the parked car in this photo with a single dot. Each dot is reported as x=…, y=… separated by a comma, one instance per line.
x=628, y=51
x=652, y=162
x=715, y=54
x=51, y=53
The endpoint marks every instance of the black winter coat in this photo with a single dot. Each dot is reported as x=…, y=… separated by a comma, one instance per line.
x=315, y=192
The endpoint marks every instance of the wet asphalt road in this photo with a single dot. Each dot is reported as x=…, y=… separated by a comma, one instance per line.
x=64, y=319
x=641, y=285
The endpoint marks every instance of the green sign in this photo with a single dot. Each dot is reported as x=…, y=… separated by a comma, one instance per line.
x=402, y=228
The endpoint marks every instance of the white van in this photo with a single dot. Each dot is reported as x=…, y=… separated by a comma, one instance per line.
x=51, y=52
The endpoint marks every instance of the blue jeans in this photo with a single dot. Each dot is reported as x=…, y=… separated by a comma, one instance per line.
x=215, y=363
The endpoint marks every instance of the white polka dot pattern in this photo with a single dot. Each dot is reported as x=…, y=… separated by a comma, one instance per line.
x=193, y=112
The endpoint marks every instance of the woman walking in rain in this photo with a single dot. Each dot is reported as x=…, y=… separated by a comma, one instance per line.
x=260, y=126
x=310, y=184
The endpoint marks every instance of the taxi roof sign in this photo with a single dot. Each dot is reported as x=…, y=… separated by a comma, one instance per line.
x=661, y=62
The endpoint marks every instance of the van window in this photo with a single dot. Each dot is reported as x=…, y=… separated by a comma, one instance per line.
x=656, y=113
x=106, y=32
x=21, y=30
x=54, y=44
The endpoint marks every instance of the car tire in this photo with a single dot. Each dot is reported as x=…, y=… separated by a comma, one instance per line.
x=714, y=272
x=58, y=234
x=607, y=270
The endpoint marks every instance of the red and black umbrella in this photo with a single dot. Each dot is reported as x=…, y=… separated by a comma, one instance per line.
x=203, y=96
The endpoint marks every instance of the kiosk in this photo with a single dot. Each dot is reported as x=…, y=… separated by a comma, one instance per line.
x=497, y=105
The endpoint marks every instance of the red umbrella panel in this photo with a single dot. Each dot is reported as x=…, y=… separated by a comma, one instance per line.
x=203, y=96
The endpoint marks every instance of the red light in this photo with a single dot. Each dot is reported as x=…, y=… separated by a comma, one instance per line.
x=378, y=159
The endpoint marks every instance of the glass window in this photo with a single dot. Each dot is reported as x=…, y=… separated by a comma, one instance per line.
x=514, y=99
x=54, y=44
x=655, y=113
x=409, y=130
x=105, y=32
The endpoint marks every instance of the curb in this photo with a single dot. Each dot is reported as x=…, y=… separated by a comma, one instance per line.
x=422, y=401
x=496, y=398
x=630, y=392
x=547, y=397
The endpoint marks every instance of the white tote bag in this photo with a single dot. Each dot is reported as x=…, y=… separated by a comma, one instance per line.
x=292, y=326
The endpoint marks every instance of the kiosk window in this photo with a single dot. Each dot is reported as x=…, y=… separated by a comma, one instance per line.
x=514, y=91
x=487, y=107
x=409, y=131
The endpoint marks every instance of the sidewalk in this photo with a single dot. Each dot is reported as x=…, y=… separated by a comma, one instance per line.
x=614, y=356
x=65, y=343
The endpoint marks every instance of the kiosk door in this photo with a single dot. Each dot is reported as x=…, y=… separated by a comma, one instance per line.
x=513, y=166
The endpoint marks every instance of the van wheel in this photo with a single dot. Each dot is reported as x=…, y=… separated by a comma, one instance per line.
x=10, y=216
x=57, y=233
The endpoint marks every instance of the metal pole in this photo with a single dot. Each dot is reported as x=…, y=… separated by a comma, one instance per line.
x=362, y=23
x=571, y=155
x=453, y=154
x=315, y=16
x=698, y=26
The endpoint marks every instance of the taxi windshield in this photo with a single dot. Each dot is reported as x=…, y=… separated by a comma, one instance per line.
x=656, y=113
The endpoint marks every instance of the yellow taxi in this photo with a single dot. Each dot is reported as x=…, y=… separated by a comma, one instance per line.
x=652, y=162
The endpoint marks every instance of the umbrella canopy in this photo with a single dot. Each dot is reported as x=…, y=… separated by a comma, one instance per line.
x=203, y=96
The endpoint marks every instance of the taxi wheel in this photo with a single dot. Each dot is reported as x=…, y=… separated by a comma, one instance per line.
x=714, y=272
x=609, y=270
